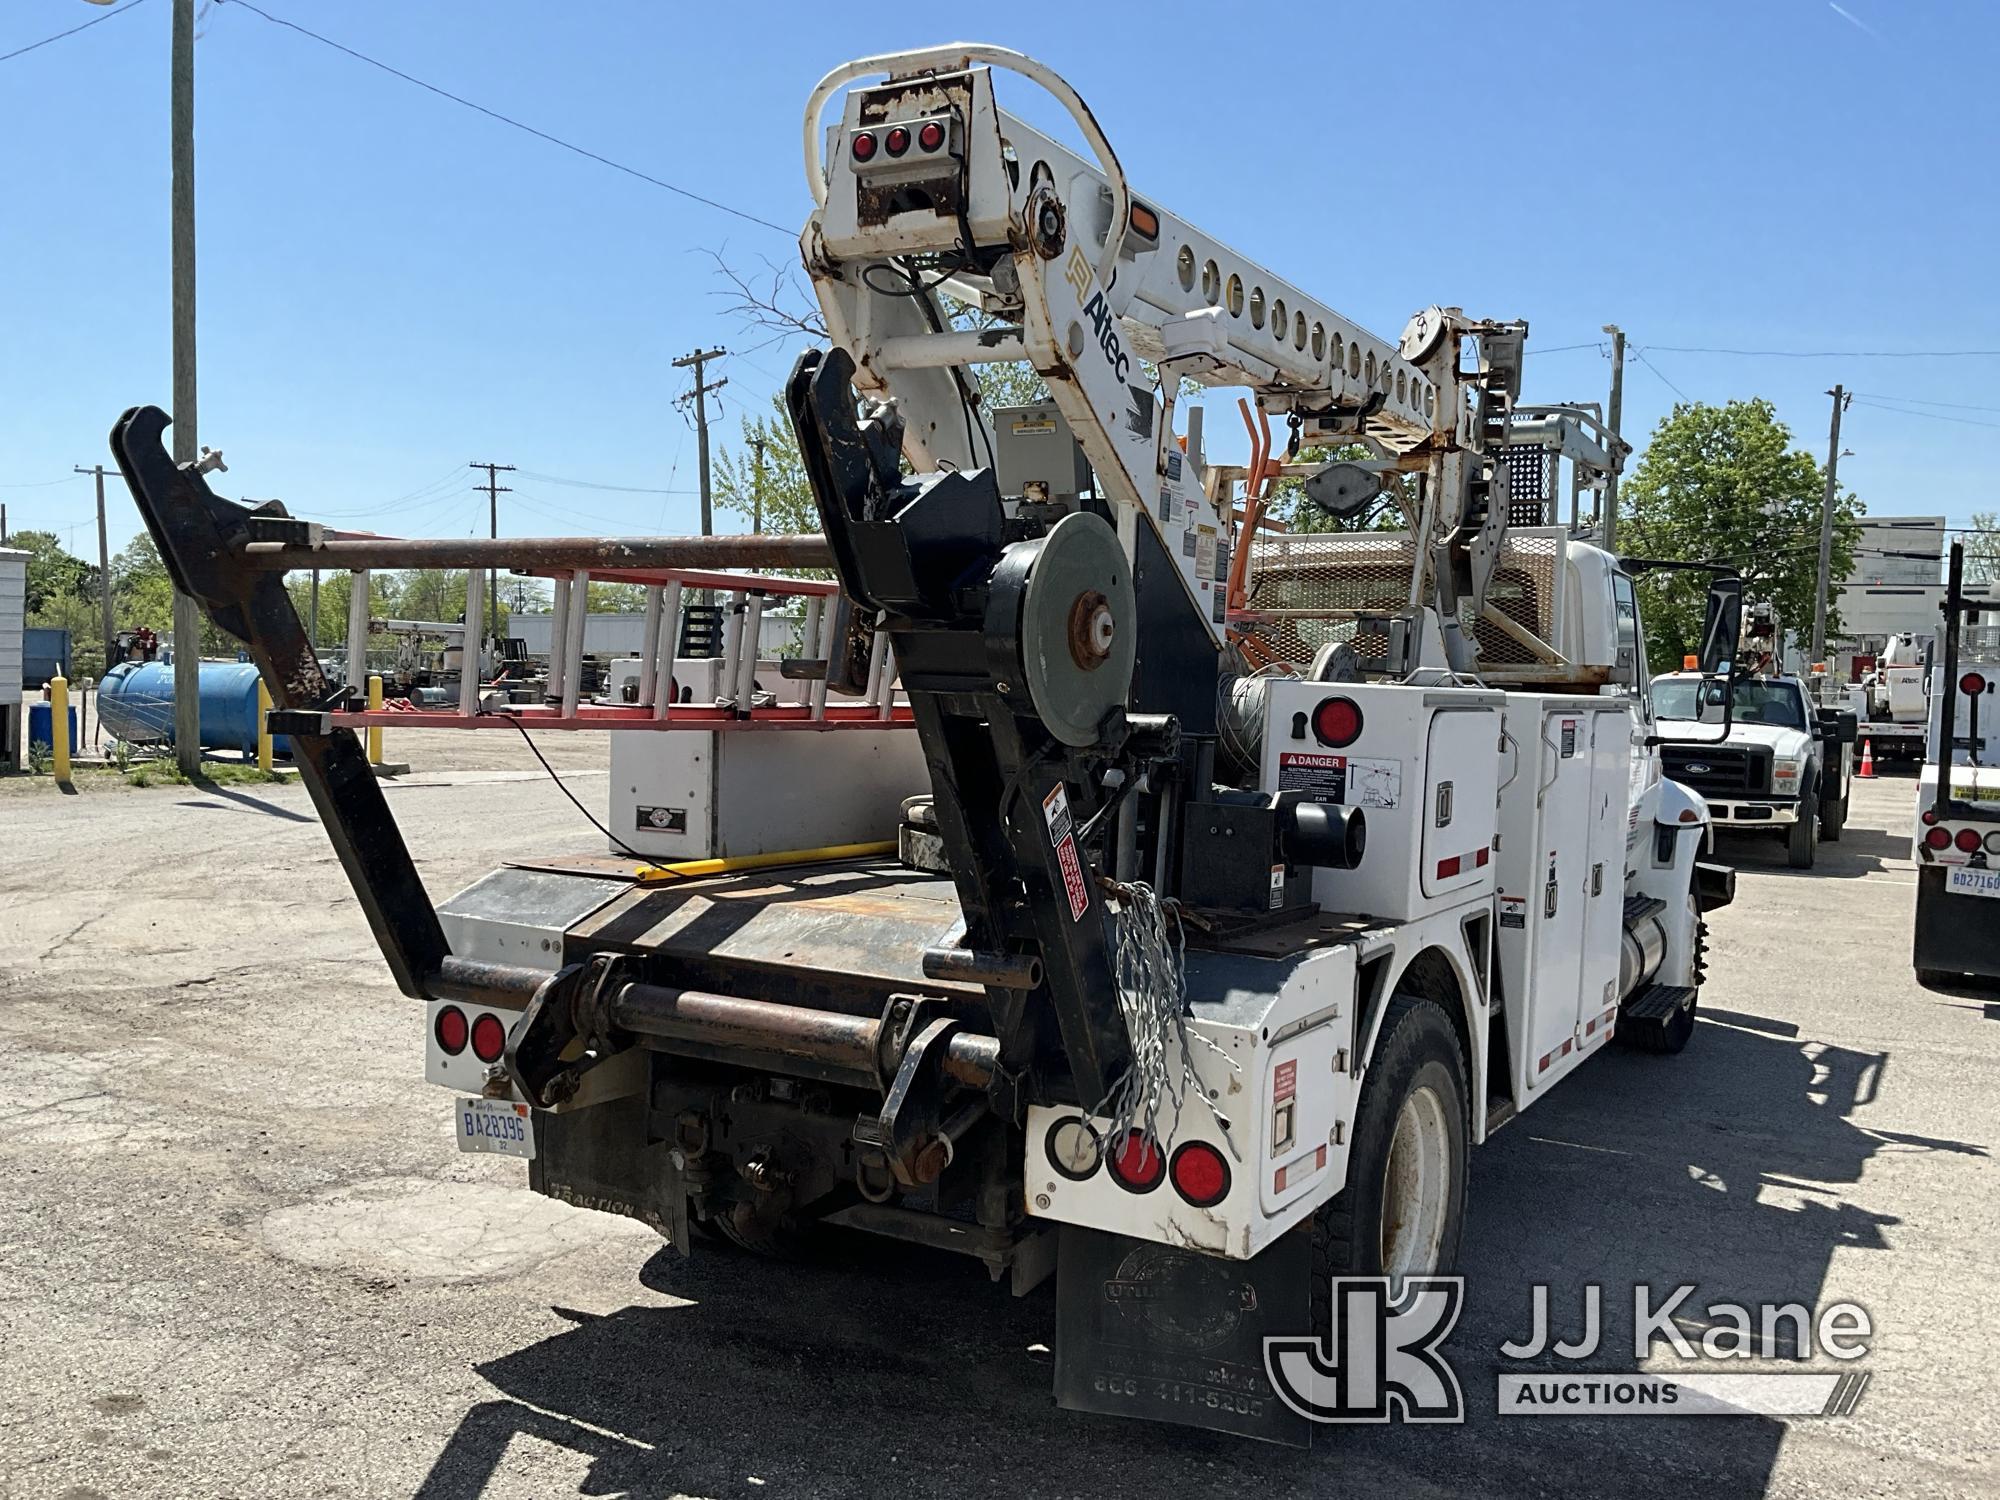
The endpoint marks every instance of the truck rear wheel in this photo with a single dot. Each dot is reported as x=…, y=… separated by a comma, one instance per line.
x=1402, y=1212
x=1802, y=838
x=1833, y=818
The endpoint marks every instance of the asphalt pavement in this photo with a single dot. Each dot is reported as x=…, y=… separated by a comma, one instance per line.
x=241, y=1256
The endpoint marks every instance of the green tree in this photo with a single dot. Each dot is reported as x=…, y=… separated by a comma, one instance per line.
x=774, y=494
x=53, y=575
x=1288, y=502
x=142, y=593
x=1982, y=547
x=1724, y=484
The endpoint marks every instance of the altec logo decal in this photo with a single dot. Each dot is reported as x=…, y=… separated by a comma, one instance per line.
x=1077, y=272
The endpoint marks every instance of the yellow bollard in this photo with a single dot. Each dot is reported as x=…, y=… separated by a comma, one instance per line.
x=59, y=725
x=263, y=726
x=374, y=730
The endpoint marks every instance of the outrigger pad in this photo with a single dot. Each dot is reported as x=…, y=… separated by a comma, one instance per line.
x=1148, y=1330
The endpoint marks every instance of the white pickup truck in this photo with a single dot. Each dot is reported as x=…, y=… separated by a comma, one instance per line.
x=1783, y=767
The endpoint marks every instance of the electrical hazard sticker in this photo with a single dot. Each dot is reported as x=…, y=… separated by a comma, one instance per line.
x=1323, y=778
x=1166, y=506
x=1072, y=874
x=1568, y=738
x=1277, y=886
x=1514, y=911
x=1055, y=808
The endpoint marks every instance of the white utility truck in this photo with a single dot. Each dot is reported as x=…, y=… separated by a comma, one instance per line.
x=1185, y=897
x=1957, y=836
x=1783, y=765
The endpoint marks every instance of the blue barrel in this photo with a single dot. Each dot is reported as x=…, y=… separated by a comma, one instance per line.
x=135, y=702
x=42, y=727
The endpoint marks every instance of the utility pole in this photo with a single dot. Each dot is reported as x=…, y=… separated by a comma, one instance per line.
x=187, y=615
x=1840, y=400
x=1615, y=411
x=494, y=491
x=103, y=565
x=757, y=488
x=699, y=395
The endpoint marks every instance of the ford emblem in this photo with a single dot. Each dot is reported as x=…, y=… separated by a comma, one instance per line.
x=1698, y=768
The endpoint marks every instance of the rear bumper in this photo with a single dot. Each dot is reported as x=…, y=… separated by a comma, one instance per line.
x=1955, y=933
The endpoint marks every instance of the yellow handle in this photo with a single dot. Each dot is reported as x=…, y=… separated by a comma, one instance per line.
x=692, y=868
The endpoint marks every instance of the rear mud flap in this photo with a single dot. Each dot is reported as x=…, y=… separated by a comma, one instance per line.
x=586, y=1159
x=1146, y=1330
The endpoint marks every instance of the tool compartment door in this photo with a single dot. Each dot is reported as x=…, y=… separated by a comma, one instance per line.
x=1461, y=802
x=1611, y=803
x=1557, y=900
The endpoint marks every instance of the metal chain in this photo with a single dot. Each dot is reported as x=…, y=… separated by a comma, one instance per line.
x=1150, y=965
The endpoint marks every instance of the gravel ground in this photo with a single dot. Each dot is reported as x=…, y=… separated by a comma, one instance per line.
x=243, y=1258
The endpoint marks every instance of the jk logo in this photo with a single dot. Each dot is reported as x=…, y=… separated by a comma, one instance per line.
x=1380, y=1361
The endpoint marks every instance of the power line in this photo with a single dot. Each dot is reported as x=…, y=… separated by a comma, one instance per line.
x=589, y=484
x=1640, y=355
x=1920, y=401
x=38, y=484
x=494, y=114
x=95, y=21
x=1566, y=348
x=1832, y=353
x=1935, y=416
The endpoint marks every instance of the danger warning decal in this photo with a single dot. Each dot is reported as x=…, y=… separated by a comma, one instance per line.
x=1284, y=1081
x=1055, y=809
x=1323, y=778
x=1072, y=873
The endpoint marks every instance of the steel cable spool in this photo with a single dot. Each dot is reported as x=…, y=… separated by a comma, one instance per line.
x=1076, y=628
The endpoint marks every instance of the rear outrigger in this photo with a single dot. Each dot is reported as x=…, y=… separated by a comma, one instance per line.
x=1242, y=880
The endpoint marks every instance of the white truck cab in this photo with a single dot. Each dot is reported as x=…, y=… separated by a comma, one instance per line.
x=1782, y=768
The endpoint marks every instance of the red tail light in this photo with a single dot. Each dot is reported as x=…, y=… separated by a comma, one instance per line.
x=863, y=146
x=1337, y=722
x=1930, y=816
x=931, y=135
x=450, y=1030
x=1200, y=1174
x=1971, y=683
x=1937, y=838
x=897, y=141
x=1967, y=840
x=489, y=1038
x=1137, y=1164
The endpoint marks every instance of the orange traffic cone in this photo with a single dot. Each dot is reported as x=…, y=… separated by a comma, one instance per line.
x=1867, y=771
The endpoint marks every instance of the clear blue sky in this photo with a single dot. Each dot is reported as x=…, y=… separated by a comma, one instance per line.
x=391, y=285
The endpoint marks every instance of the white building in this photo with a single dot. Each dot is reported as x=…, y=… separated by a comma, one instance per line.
x=13, y=614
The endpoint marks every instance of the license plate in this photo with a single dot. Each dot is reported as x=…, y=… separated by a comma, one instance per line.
x=1966, y=882
x=497, y=1125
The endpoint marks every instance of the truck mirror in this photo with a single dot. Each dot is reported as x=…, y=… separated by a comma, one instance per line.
x=1721, y=625
x=1850, y=727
